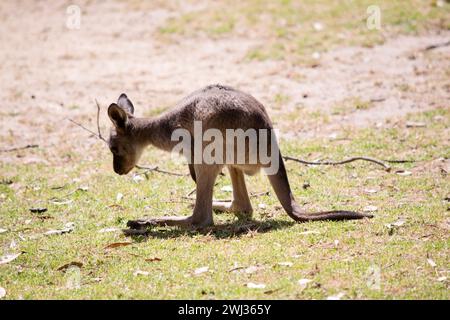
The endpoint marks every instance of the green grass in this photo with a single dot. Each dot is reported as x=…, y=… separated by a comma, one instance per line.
x=335, y=256
x=287, y=26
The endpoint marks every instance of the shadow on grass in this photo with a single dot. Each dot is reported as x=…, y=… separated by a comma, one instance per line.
x=221, y=231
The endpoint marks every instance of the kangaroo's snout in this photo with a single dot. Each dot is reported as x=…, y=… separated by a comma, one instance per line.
x=119, y=168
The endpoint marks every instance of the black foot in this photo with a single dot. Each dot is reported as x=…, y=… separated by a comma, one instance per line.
x=140, y=224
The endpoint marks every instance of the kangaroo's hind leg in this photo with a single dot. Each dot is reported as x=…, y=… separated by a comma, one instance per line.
x=241, y=204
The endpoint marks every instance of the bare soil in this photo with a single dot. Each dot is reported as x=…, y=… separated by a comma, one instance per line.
x=49, y=73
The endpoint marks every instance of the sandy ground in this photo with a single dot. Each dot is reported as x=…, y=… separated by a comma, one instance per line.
x=49, y=73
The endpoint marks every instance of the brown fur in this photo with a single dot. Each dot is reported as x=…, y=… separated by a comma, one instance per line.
x=218, y=107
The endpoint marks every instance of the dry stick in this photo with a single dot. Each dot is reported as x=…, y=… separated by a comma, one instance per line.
x=399, y=161
x=28, y=146
x=98, y=121
x=191, y=192
x=332, y=163
x=88, y=130
x=99, y=135
x=438, y=45
x=252, y=195
x=156, y=169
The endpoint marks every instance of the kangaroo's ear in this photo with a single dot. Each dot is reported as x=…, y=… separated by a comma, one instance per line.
x=118, y=116
x=125, y=103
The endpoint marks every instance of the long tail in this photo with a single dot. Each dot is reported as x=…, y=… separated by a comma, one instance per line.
x=280, y=184
x=327, y=215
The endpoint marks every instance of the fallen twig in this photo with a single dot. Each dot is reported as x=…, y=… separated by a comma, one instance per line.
x=99, y=135
x=438, y=45
x=334, y=163
x=399, y=161
x=88, y=130
x=252, y=195
x=156, y=169
x=191, y=192
x=28, y=146
x=377, y=99
x=98, y=121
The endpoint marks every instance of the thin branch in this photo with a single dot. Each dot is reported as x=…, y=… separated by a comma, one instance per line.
x=438, y=45
x=99, y=135
x=156, y=169
x=399, y=161
x=28, y=146
x=252, y=195
x=191, y=192
x=259, y=194
x=88, y=130
x=334, y=163
x=98, y=121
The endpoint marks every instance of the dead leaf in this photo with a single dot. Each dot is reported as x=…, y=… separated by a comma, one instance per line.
x=153, y=259
x=272, y=291
x=137, y=178
x=119, y=197
x=370, y=209
x=251, y=269
x=3, y=230
x=117, y=245
x=112, y=229
x=304, y=283
x=70, y=264
x=7, y=258
x=413, y=124
x=309, y=232
x=2, y=292
x=285, y=264
x=442, y=279
x=44, y=217
x=141, y=273
x=337, y=296
x=201, y=270
x=227, y=189
x=431, y=263
x=252, y=285
x=403, y=172
x=13, y=244
x=116, y=206
x=395, y=224
x=370, y=191
x=68, y=227
x=318, y=26
x=61, y=202
x=236, y=268
x=399, y=223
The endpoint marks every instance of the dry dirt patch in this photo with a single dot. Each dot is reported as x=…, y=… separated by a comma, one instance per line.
x=49, y=73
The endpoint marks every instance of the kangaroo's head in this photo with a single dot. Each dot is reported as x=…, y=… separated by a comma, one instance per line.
x=123, y=142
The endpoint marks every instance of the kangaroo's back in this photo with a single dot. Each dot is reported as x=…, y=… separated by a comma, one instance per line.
x=221, y=107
